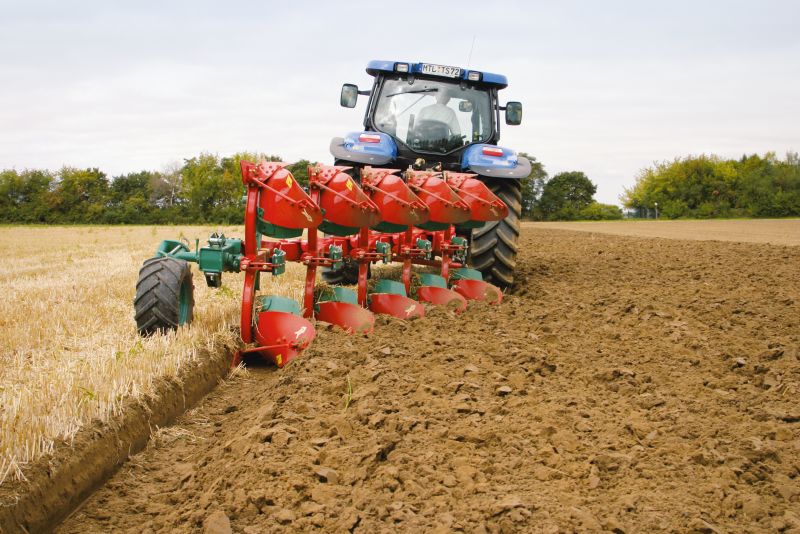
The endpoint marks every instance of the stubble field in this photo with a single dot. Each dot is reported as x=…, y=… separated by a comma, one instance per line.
x=69, y=352
x=627, y=384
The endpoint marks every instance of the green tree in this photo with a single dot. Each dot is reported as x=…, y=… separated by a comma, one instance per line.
x=24, y=196
x=202, y=185
x=532, y=185
x=597, y=211
x=79, y=196
x=565, y=195
x=130, y=198
x=709, y=186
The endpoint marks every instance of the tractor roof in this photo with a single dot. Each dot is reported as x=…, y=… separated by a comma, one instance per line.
x=376, y=66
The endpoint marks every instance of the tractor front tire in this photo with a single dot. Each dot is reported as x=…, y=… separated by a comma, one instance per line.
x=494, y=246
x=164, y=295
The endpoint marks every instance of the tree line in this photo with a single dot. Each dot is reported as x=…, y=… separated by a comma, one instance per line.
x=204, y=189
x=709, y=186
x=208, y=189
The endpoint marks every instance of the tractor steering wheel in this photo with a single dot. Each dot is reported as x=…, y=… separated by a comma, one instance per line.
x=430, y=132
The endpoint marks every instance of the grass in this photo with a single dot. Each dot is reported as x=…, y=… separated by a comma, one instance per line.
x=348, y=394
x=69, y=351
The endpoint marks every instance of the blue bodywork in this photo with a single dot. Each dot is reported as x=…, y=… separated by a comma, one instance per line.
x=351, y=149
x=376, y=65
x=471, y=158
x=506, y=166
x=474, y=156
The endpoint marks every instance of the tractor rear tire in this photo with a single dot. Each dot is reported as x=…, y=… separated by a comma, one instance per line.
x=493, y=249
x=164, y=295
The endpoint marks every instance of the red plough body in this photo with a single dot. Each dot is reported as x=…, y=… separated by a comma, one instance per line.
x=410, y=218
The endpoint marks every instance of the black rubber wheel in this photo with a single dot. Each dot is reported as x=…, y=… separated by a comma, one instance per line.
x=493, y=249
x=164, y=295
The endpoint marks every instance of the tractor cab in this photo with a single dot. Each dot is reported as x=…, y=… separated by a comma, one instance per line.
x=428, y=116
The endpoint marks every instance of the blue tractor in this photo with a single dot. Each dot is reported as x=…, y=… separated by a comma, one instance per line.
x=439, y=117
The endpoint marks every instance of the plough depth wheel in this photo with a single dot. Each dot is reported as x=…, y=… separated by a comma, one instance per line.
x=164, y=295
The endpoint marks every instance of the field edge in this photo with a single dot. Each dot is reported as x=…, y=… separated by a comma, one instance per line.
x=59, y=484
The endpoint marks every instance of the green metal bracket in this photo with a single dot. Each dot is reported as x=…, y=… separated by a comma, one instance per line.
x=385, y=249
x=425, y=245
x=273, y=230
x=390, y=286
x=337, y=229
x=278, y=261
x=457, y=240
x=277, y=303
x=433, y=226
x=340, y=294
x=335, y=253
x=470, y=225
x=433, y=280
x=389, y=228
x=465, y=274
x=222, y=254
x=336, y=294
x=461, y=255
x=170, y=247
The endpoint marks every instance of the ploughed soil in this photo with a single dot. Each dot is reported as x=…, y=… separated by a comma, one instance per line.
x=626, y=385
x=774, y=231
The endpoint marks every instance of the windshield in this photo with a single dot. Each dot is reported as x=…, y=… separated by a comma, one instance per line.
x=433, y=116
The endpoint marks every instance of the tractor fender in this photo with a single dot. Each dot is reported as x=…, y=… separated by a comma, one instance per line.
x=371, y=148
x=495, y=161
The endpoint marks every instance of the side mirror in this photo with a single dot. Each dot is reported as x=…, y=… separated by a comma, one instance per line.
x=514, y=113
x=465, y=105
x=349, y=95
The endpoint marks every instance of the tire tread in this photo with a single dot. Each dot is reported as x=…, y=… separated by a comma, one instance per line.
x=494, y=246
x=157, y=300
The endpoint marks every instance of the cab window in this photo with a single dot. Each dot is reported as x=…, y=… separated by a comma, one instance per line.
x=433, y=116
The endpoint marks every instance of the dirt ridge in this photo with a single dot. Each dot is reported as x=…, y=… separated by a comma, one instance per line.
x=56, y=486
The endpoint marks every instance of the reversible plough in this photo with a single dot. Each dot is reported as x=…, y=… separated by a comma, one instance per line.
x=409, y=218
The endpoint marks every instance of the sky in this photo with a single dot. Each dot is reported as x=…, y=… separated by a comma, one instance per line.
x=607, y=88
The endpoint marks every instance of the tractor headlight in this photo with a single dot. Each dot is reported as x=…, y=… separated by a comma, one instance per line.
x=401, y=67
x=474, y=76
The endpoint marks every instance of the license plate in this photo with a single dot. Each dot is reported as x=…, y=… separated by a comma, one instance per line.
x=441, y=70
